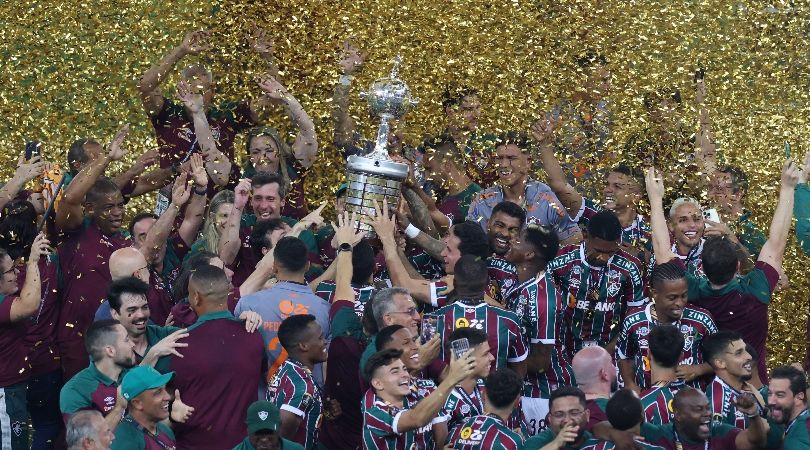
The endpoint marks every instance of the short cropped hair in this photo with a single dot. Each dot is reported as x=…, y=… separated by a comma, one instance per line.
x=545, y=241
x=80, y=427
x=380, y=359
x=666, y=345
x=475, y=337
x=262, y=178
x=567, y=391
x=210, y=282
x=259, y=235
x=292, y=254
x=138, y=217
x=624, y=410
x=471, y=273
x=386, y=336
x=715, y=344
x=292, y=329
x=503, y=387
x=472, y=239
x=100, y=334
x=796, y=377
x=720, y=259
x=383, y=303
x=605, y=225
x=739, y=180
x=510, y=209
x=103, y=186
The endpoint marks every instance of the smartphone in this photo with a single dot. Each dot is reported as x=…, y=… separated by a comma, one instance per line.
x=711, y=214
x=429, y=326
x=699, y=74
x=460, y=347
x=787, y=149
x=32, y=149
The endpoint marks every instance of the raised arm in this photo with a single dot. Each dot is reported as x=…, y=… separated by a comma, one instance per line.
x=755, y=436
x=149, y=85
x=26, y=171
x=384, y=227
x=345, y=233
x=801, y=208
x=146, y=159
x=159, y=233
x=420, y=212
x=774, y=249
x=69, y=215
x=30, y=296
x=305, y=147
x=706, y=152
x=431, y=245
x=429, y=407
x=350, y=62
x=439, y=219
x=543, y=134
x=195, y=210
x=217, y=164
x=658, y=222
x=229, y=240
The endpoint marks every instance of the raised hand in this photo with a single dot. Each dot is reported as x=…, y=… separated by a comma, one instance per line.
x=567, y=435
x=39, y=248
x=271, y=87
x=746, y=404
x=429, y=350
x=180, y=411
x=181, y=191
x=196, y=42
x=542, y=130
x=30, y=169
x=147, y=159
x=314, y=218
x=197, y=170
x=346, y=229
x=115, y=151
x=241, y=194
x=461, y=368
x=790, y=174
x=194, y=102
x=261, y=41
x=252, y=319
x=351, y=59
x=655, y=185
x=169, y=345
x=381, y=222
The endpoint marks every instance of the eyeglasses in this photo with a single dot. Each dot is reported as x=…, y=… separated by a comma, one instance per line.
x=574, y=414
x=409, y=311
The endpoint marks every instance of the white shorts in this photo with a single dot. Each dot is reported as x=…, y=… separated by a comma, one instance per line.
x=535, y=411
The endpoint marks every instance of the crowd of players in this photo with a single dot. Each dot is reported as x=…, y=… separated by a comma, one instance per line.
x=490, y=311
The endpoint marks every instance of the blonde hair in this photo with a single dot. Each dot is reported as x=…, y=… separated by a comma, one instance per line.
x=210, y=233
x=284, y=152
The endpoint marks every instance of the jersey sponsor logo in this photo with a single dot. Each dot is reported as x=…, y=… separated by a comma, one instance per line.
x=598, y=307
x=461, y=322
x=470, y=436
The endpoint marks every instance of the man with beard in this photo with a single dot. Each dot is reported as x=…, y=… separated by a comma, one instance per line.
x=733, y=367
x=89, y=219
x=669, y=292
x=537, y=303
x=693, y=429
x=601, y=280
x=737, y=303
x=144, y=426
x=787, y=405
x=267, y=193
x=622, y=192
x=263, y=423
x=728, y=187
x=567, y=423
x=96, y=387
x=515, y=185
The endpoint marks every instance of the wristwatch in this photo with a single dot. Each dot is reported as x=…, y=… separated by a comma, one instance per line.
x=345, y=247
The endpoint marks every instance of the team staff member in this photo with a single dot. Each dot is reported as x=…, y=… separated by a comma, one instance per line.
x=13, y=351
x=263, y=424
x=787, y=405
x=222, y=365
x=489, y=430
x=96, y=387
x=293, y=389
x=144, y=427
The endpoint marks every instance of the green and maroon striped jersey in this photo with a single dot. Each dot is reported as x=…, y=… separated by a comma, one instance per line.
x=589, y=443
x=638, y=234
x=294, y=390
x=362, y=293
x=505, y=336
x=380, y=426
x=597, y=297
x=657, y=402
x=722, y=437
x=721, y=400
x=537, y=303
x=461, y=405
x=502, y=282
x=485, y=432
x=695, y=324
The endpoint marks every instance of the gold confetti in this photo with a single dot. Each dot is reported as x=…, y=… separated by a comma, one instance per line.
x=69, y=69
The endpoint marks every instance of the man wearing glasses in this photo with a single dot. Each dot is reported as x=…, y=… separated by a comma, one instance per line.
x=567, y=420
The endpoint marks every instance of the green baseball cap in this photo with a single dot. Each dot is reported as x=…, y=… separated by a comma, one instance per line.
x=341, y=190
x=142, y=378
x=263, y=415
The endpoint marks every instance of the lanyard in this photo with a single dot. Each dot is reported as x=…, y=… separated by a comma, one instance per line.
x=679, y=446
x=476, y=405
x=146, y=432
x=793, y=422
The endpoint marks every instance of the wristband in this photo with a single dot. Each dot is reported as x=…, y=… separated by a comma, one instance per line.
x=412, y=231
x=345, y=80
x=200, y=191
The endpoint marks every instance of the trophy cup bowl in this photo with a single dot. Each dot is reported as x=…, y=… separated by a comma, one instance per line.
x=375, y=178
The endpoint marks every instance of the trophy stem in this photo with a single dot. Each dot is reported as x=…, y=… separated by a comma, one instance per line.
x=381, y=146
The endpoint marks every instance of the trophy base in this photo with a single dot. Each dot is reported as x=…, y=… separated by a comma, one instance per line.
x=372, y=182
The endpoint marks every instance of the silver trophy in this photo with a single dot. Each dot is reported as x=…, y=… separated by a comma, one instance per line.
x=375, y=177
